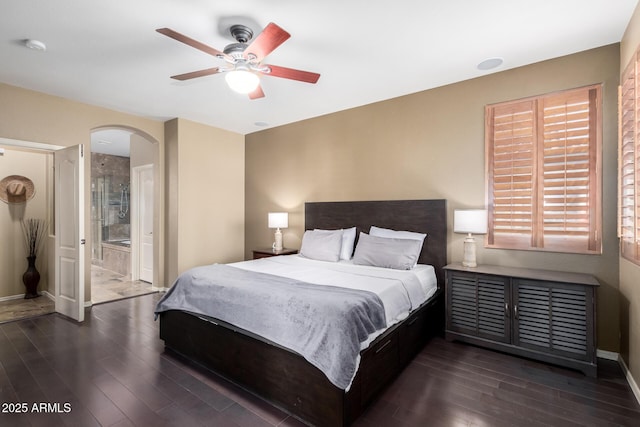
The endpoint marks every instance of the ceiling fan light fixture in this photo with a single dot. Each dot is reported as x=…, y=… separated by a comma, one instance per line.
x=244, y=59
x=242, y=80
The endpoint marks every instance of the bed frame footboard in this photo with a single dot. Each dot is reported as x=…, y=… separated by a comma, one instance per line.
x=284, y=378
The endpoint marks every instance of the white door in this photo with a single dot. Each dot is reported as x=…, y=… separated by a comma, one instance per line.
x=69, y=229
x=142, y=210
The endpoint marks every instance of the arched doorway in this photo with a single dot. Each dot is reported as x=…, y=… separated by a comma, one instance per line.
x=124, y=163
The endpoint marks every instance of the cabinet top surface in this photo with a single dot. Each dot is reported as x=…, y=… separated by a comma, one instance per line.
x=528, y=273
x=271, y=251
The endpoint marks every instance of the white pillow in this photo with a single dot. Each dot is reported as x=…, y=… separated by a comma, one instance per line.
x=322, y=245
x=395, y=234
x=348, y=240
x=387, y=252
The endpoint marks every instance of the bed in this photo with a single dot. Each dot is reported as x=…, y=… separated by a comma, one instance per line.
x=284, y=377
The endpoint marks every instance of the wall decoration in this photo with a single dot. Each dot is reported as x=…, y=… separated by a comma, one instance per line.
x=16, y=189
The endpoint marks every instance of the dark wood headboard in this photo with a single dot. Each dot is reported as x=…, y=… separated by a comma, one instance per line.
x=423, y=216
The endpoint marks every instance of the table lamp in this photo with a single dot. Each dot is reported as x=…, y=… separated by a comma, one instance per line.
x=470, y=221
x=278, y=220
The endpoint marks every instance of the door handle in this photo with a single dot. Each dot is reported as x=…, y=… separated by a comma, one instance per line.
x=82, y=241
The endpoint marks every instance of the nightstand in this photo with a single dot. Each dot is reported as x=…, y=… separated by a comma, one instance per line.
x=268, y=252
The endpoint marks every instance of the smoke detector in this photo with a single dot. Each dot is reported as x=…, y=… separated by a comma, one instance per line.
x=35, y=44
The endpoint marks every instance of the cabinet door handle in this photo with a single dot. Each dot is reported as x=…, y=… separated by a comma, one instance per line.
x=515, y=311
x=506, y=309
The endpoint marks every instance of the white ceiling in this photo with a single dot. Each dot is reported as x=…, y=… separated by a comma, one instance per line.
x=107, y=53
x=116, y=142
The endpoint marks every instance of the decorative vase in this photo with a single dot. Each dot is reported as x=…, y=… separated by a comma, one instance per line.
x=31, y=278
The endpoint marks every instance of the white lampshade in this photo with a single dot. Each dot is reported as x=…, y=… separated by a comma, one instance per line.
x=472, y=221
x=278, y=219
x=242, y=81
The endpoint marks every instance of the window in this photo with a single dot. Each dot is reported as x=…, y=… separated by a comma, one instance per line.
x=543, y=160
x=629, y=164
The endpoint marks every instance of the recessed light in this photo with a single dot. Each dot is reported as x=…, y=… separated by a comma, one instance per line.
x=35, y=44
x=490, y=63
x=261, y=124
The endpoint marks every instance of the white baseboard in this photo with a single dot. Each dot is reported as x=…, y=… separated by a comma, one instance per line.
x=21, y=296
x=48, y=295
x=11, y=297
x=632, y=382
x=610, y=355
x=159, y=289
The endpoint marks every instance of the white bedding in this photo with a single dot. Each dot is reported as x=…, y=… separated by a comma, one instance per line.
x=401, y=291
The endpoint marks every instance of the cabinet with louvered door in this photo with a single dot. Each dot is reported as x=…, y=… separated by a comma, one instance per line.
x=478, y=305
x=554, y=317
x=541, y=314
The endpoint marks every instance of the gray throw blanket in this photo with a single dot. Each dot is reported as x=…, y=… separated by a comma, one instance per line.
x=324, y=324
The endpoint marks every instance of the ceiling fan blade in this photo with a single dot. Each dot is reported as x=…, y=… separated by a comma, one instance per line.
x=194, y=74
x=267, y=41
x=257, y=93
x=290, y=73
x=191, y=42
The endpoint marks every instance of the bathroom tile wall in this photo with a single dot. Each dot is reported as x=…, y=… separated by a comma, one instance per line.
x=116, y=173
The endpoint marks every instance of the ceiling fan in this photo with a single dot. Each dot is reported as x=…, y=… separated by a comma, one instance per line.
x=244, y=59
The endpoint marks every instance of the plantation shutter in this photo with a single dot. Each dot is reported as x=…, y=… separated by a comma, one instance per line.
x=568, y=168
x=542, y=162
x=511, y=173
x=629, y=165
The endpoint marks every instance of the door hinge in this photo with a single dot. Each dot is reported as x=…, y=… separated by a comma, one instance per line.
x=81, y=150
x=83, y=241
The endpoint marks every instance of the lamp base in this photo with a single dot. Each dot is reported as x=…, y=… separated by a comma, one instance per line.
x=277, y=245
x=469, y=259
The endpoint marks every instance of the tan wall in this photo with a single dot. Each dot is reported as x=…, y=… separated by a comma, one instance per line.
x=430, y=145
x=13, y=264
x=205, y=195
x=172, y=200
x=142, y=151
x=36, y=117
x=629, y=272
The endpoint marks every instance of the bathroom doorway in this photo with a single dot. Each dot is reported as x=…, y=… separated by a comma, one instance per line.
x=115, y=153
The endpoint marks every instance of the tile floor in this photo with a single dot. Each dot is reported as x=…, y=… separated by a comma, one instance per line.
x=105, y=286
x=24, y=308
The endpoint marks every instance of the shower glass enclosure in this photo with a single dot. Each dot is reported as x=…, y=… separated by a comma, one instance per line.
x=110, y=217
x=99, y=201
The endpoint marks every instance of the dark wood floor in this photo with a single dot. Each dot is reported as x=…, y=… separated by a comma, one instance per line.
x=113, y=371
